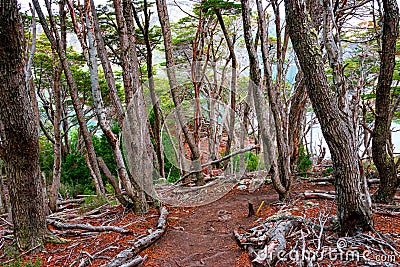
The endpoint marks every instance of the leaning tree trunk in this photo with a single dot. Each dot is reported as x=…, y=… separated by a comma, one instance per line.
x=57, y=146
x=260, y=105
x=232, y=54
x=19, y=147
x=58, y=45
x=381, y=142
x=104, y=123
x=296, y=117
x=353, y=211
x=274, y=96
x=169, y=56
x=145, y=29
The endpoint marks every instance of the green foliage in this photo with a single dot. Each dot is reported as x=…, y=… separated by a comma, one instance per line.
x=12, y=252
x=304, y=164
x=230, y=7
x=93, y=202
x=251, y=161
x=328, y=171
x=46, y=158
x=75, y=176
x=171, y=170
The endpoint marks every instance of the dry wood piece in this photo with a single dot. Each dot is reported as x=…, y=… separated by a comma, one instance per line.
x=319, y=195
x=322, y=179
x=69, y=201
x=88, y=227
x=128, y=257
x=265, y=241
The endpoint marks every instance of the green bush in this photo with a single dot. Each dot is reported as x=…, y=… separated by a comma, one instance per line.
x=251, y=161
x=304, y=163
x=93, y=202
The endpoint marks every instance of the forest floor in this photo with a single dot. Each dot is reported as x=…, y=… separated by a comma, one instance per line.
x=196, y=236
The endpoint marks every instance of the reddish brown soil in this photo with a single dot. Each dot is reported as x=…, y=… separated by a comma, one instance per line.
x=197, y=236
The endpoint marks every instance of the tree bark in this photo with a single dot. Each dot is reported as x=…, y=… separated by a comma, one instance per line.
x=174, y=87
x=232, y=55
x=381, y=137
x=58, y=46
x=20, y=146
x=154, y=101
x=296, y=117
x=274, y=96
x=256, y=88
x=353, y=211
x=100, y=111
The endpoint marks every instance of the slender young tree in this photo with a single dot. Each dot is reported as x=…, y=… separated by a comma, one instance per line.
x=19, y=135
x=354, y=212
x=56, y=43
x=174, y=87
x=257, y=91
x=381, y=137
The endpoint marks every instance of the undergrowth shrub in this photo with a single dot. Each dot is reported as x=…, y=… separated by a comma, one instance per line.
x=304, y=163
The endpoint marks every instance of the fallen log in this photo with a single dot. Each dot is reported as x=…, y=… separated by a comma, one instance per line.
x=331, y=179
x=241, y=151
x=88, y=227
x=127, y=256
x=264, y=244
x=71, y=201
x=318, y=195
x=322, y=179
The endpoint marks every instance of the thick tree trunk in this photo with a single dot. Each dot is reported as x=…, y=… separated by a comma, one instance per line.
x=256, y=88
x=353, y=212
x=20, y=146
x=381, y=136
x=194, y=149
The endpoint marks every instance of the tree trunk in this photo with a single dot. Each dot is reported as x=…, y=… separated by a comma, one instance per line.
x=58, y=46
x=232, y=55
x=4, y=200
x=20, y=146
x=112, y=139
x=55, y=186
x=353, y=212
x=296, y=117
x=381, y=143
x=169, y=56
x=154, y=101
x=274, y=96
x=256, y=88
x=105, y=62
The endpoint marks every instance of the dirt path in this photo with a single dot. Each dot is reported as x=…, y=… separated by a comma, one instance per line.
x=203, y=236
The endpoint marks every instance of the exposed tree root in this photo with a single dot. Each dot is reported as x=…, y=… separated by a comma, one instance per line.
x=298, y=241
x=128, y=257
x=88, y=227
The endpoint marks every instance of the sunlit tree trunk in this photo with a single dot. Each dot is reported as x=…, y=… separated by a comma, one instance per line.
x=260, y=106
x=154, y=101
